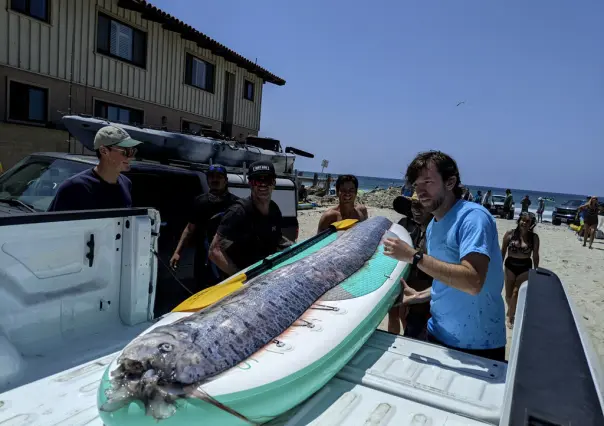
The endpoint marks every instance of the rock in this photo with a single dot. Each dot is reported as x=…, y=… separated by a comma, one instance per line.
x=380, y=198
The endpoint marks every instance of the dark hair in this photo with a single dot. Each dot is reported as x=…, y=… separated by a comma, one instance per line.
x=346, y=178
x=531, y=216
x=98, y=153
x=446, y=166
x=508, y=191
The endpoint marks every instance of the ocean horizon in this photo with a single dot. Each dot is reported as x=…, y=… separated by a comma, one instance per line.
x=367, y=183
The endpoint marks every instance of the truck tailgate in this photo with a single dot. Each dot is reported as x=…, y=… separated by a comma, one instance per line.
x=392, y=380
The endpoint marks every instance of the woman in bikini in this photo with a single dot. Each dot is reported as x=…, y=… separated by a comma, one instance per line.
x=590, y=220
x=518, y=244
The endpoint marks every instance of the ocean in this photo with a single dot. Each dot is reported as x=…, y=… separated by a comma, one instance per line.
x=367, y=183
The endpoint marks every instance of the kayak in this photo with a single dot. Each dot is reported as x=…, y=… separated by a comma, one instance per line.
x=162, y=145
x=298, y=363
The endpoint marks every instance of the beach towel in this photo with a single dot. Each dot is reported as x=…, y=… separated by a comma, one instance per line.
x=600, y=229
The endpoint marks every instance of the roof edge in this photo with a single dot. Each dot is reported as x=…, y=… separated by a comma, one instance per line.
x=171, y=23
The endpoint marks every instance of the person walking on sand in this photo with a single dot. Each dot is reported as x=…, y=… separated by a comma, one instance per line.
x=204, y=220
x=250, y=230
x=487, y=200
x=413, y=317
x=525, y=203
x=464, y=260
x=540, y=209
x=347, y=187
x=519, y=244
x=508, y=212
x=590, y=220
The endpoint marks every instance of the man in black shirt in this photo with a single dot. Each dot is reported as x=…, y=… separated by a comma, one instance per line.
x=103, y=186
x=207, y=213
x=251, y=228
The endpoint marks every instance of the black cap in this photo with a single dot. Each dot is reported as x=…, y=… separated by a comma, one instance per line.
x=261, y=168
x=402, y=205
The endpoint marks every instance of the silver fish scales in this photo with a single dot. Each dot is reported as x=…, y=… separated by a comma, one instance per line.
x=167, y=362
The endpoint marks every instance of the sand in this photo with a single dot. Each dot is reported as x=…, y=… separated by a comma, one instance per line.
x=580, y=269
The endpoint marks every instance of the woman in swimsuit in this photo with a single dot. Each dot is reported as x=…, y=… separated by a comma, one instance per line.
x=590, y=220
x=518, y=244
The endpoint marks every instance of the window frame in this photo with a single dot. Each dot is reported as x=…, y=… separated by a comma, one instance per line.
x=95, y=101
x=27, y=12
x=189, y=74
x=245, y=85
x=100, y=51
x=10, y=119
x=184, y=120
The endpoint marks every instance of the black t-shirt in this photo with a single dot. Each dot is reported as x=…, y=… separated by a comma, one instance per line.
x=254, y=235
x=208, y=210
x=88, y=191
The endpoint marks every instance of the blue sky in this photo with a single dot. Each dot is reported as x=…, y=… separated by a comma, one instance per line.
x=370, y=84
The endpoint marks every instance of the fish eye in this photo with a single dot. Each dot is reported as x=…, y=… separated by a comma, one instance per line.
x=165, y=347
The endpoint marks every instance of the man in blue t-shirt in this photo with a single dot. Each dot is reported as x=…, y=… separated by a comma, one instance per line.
x=103, y=186
x=466, y=305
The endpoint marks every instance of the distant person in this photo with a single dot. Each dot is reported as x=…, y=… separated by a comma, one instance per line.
x=415, y=316
x=464, y=259
x=346, y=191
x=540, y=209
x=519, y=244
x=590, y=220
x=508, y=211
x=206, y=215
x=467, y=195
x=478, y=198
x=103, y=186
x=487, y=200
x=525, y=203
x=251, y=228
x=303, y=194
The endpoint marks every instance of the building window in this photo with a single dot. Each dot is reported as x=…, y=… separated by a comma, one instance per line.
x=248, y=90
x=199, y=73
x=121, y=41
x=118, y=113
x=28, y=103
x=194, y=128
x=35, y=8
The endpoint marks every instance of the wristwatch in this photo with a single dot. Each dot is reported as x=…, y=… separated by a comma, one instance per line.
x=417, y=257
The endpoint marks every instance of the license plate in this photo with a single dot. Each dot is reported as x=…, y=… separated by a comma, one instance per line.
x=563, y=219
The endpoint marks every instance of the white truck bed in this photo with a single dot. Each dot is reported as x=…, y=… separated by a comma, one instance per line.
x=392, y=380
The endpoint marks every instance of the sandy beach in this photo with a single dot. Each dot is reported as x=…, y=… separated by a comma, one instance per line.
x=580, y=269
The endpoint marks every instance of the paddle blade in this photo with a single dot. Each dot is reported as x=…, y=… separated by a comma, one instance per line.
x=211, y=295
x=344, y=224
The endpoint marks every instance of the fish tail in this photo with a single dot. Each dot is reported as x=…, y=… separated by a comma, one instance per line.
x=198, y=393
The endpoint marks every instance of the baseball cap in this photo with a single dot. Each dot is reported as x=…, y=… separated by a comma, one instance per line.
x=217, y=168
x=114, y=136
x=261, y=168
x=402, y=204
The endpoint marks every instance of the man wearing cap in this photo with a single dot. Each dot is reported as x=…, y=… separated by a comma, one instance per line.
x=251, y=228
x=208, y=210
x=414, y=316
x=103, y=186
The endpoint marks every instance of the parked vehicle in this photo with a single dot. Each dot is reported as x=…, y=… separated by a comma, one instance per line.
x=31, y=184
x=78, y=286
x=567, y=212
x=497, y=207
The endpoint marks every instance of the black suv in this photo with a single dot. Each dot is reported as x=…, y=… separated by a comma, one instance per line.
x=31, y=184
x=567, y=212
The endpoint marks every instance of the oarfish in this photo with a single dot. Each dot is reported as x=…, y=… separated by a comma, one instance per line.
x=172, y=361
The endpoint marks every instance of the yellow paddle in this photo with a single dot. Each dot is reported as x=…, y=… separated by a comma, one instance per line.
x=213, y=294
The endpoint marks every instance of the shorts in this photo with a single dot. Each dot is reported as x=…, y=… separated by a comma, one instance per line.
x=417, y=324
x=518, y=266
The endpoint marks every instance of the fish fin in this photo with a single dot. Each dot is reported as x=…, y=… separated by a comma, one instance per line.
x=115, y=404
x=194, y=391
x=159, y=408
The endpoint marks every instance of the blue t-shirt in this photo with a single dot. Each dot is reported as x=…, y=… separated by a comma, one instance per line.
x=459, y=319
x=88, y=191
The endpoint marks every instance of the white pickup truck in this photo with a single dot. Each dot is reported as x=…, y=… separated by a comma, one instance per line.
x=76, y=287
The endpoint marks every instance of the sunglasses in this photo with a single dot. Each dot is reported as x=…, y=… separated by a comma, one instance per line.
x=126, y=152
x=262, y=180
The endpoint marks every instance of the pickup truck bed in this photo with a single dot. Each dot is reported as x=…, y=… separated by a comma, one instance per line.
x=392, y=380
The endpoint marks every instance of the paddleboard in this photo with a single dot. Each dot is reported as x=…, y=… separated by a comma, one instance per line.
x=299, y=361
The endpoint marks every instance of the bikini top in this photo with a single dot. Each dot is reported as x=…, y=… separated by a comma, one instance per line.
x=515, y=245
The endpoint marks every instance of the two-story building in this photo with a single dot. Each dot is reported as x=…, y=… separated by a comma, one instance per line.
x=124, y=60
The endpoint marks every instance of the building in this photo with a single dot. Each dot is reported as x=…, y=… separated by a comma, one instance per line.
x=124, y=60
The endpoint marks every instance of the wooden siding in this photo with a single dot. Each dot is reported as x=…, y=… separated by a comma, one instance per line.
x=65, y=49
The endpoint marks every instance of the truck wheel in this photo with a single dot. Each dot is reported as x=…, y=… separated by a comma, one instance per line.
x=556, y=222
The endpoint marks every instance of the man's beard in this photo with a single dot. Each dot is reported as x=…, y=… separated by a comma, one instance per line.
x=435, y=205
